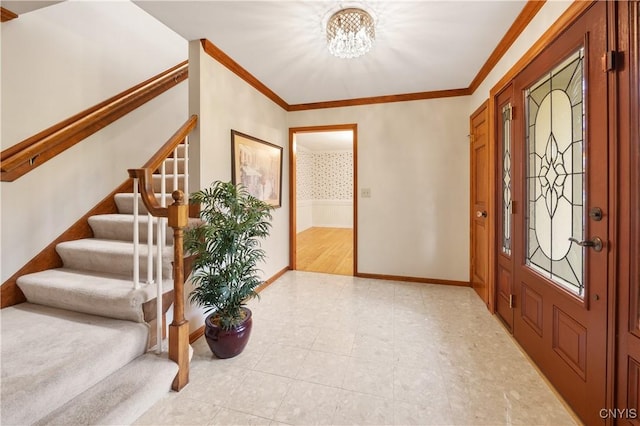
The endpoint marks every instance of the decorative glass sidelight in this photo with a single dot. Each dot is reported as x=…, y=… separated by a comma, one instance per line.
x=506, y=180
x=555, y=179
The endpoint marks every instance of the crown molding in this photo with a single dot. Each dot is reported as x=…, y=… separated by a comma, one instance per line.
x=217, y=54
x=435, y=94
x=6, y=15
x=524, y=18
x=530, y=9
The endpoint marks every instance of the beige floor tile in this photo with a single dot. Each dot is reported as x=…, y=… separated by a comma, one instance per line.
x=370, y=377
x=282, y=360
x=232, y=417
x=344, y=350
x=427, y=413
x=308, y=404
x=368, y=347
x=356, y=408
x=179, y=410
x=324, y=368
x=212, y=381
x=419, y=385
x=259, y=394
x=251, y=355
x=300, y=336
x=334, y=341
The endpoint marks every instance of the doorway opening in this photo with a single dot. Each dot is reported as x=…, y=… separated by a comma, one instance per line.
x=323, y=187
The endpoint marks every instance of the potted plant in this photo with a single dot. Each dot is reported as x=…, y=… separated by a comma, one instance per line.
x=226, y=250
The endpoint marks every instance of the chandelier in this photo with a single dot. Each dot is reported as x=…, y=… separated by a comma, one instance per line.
x=350, y=33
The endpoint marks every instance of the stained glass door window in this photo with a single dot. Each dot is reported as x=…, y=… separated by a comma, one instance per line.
x=555, y=149
x=506, y=180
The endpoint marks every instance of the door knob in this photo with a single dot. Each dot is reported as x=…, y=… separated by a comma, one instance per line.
x=481, y=213
x=595, y=243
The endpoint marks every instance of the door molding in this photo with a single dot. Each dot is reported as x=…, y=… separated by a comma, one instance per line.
x=293, y=182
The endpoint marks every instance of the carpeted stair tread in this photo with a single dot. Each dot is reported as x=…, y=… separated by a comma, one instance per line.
x=107, y=295
x=124, y=202
x=120, y=227
x=50, y=356
x=110, y=257
x=120, y=398
x=157, y=182
x=169, y=163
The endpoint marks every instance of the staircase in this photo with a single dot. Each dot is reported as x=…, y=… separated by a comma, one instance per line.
x=77, y=351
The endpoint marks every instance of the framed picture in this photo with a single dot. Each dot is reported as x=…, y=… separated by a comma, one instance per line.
x=258, y=166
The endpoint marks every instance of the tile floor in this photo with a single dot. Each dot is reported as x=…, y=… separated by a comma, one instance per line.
x=329, y=349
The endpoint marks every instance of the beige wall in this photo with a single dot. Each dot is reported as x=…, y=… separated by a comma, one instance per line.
x=55, y=65
x=414, y=158
x=224, y=102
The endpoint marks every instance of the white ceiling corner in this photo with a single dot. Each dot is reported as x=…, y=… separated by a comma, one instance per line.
x=420, y=46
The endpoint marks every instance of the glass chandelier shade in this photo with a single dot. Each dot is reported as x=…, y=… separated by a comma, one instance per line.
x=350, y=33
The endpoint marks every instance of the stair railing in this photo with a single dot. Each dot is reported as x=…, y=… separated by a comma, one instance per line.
x=176, y=215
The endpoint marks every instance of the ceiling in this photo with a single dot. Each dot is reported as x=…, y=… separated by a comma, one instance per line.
x=341, y=140
x=421, y=46
x=24, y=6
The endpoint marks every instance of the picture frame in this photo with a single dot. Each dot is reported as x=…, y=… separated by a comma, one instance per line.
x=257, y=165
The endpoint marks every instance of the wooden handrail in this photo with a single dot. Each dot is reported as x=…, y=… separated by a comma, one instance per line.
x=147, y=194
x=36, y=150
x=178, y=216
x=172, y=143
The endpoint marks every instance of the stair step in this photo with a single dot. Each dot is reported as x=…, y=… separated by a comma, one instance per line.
x=157, y=183
x=124, y=202
x=120, y=227
x=99, y=294
x=168, y=165
x=181, y=150
x=122, y=397
x=50, y=356
x=110, y=257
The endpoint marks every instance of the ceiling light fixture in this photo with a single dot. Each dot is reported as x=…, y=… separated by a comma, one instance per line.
x=350, y=33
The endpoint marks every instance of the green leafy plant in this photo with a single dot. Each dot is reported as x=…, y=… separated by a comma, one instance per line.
x=227, y=248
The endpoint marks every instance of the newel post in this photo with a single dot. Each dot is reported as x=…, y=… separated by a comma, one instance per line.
x=178, y=217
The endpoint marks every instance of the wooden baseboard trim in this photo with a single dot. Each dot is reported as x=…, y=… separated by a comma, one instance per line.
x=198, y=333
x=271, y=280
x=413, y=279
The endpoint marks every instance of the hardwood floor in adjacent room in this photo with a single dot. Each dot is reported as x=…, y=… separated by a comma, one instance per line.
x=328, y=250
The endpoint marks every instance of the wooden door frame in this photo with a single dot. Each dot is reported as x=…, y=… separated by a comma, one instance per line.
x=293, y=185
x=482, y=109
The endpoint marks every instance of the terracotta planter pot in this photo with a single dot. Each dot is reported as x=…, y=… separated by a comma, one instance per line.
x=227, y=343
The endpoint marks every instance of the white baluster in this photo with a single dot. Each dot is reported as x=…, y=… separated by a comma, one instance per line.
x=160, y=236
x=186, y=168
x=149, y=249
x=159, y=277
x=136, y=239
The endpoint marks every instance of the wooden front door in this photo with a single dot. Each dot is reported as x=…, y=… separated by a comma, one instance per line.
x=561, y=212
x=480, y=201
